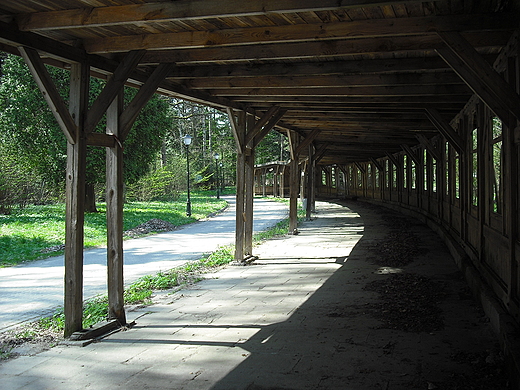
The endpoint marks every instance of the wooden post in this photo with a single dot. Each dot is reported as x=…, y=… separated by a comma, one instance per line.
x=114, y=199
x=239, y=131
x=249, y=192
x=293, y=202
x=310, y=183
x=75, y=211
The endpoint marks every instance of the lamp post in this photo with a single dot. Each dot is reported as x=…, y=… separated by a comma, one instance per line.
x=217, y=156
x=187, y=141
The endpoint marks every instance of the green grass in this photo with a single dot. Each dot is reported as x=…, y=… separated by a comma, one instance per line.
x=25, y=233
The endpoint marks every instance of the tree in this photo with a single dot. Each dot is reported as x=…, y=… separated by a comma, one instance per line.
x=28, y=126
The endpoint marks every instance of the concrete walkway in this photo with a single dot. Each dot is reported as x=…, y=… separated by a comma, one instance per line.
x=31, y=290
x=299, y=318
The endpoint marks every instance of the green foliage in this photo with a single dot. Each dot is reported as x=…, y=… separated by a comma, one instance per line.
x=31, y=133
x=162, y=184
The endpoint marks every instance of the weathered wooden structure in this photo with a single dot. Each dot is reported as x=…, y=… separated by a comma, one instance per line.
x=407, y=102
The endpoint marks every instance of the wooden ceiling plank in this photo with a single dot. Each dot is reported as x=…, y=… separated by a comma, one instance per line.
x=310, y=50
x=300, y=32
x=111, y=89
x=50, y=93
x=177, y=10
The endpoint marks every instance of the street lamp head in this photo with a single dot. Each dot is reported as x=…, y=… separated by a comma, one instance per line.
x=217, y=156
x=187, y=139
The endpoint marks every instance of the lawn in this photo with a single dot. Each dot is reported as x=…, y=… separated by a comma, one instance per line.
x=34, y=232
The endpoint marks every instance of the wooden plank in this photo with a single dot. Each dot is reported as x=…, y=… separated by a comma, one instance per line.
x=267, y=128
x=114, y=215
x=307, y=141
x=103, y=140
x=392, y=158
x=75, y=201
x=260, y=123
x=240, y=217
x=130, y=114
x=446, y=130
x=355, y=80
x=300, y=32
x=112, y=88
x=177, y=10
x=376, y=164
x=50, y=93
x=485, y=81
x=388, y=91
x=309, y=50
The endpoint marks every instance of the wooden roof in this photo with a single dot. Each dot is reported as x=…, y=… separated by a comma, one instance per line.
x=358, y=75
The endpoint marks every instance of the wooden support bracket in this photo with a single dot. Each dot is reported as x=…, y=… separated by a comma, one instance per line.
x=409, y=152
x=112, y=88
x=393, y=159
x=490, y=86
x=377, y=164
x=307, y=141
x=267, y=128
x=360, y=167
x=260, y=123
x=446, y=130
x=429, y=146
x=50, y=92
x=131, y=112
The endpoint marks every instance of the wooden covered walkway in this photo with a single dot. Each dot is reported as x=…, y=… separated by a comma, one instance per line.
x=412, y=104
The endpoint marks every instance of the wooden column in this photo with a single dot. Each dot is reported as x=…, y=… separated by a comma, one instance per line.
x=249, y=192
x=294, y=185
x=310, y=183
x=114, y=215
x=75, y=211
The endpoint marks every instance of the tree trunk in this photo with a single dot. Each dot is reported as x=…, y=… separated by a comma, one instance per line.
x=90, y=199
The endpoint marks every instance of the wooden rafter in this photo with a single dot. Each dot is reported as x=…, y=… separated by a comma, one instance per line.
x=178, y=10
x=309, y=50
x=257, y=128
x=429, y=146
x=268, y=127
x=299, y=32
x=307, y=141
x=413, y=155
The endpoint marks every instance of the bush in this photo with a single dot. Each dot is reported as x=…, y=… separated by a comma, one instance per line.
x=163, y=184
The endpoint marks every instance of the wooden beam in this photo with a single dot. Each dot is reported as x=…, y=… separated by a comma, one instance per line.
x=360, y=167
x=114, y=215
x=307, y=141
x=112, y=88
x=384, y=90
x=310, y=50
x=491, y=87
x=267, y=128
x=446, y=130
x=409, y=152
x=130, y=114
x=429, y=146
x=292, y=138
x=50, y=93
x=252, y=133
x=320, y=152
x=301, y=32
x=75, y=202
x=103, y=140
x=176, y=11
x=249, y=193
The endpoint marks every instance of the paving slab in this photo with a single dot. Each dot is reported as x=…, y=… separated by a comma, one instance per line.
x=35, y=289
x=299, y=318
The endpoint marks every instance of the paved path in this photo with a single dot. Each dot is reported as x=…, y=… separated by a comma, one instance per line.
x=30, y=290
x=298, y=319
